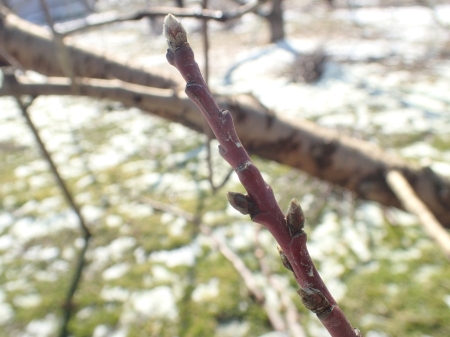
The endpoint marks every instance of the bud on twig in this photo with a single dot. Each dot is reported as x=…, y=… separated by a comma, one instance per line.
x=314, y=300
x=295, y=219
x=284, y=259
x=174, y=32
x=242, y=203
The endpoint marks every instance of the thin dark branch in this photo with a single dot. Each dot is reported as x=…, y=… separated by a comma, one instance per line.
x=53, y=168
x=205, y=44
x=68, y=304
x=99, y=20
x=225, y=179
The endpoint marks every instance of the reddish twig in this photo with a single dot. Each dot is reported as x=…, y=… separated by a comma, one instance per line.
x=260, y=202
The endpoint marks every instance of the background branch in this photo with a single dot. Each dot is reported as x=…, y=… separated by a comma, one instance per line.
x=95, y=21
x=250, y=282
x=414, y=205
x=62, y=53
x=68, y=303
x=34, y=48
x=291, y=314
x=352, y=163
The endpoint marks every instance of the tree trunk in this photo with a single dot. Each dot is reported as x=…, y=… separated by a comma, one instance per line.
x=275, y=18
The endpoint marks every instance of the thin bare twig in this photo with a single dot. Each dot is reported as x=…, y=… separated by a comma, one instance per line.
x=206, y=75
x=238, y=264
x=275, y=318
x=260, y=203
x=68, y=304
x=414, y=205
x=209, y=164
x=225, y=179
x=273, y=315
x=291, y=315
x=205, y=14
x=62, y=52
x=11, y=59
x=205, y=44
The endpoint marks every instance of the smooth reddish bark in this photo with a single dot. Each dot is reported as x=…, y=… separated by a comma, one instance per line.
x=260, y=202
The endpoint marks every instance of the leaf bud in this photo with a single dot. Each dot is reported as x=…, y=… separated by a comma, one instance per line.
x=295, y=219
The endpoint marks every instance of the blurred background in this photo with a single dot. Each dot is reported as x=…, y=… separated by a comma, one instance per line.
x=167, y=255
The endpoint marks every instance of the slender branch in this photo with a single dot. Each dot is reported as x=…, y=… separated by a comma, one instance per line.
x=205, y=14
x=206, y=75
x=53, y=168
x=276, y=320
x=225, y=179
x=209, y=164
x=68, y=304
x=413, y=204
x=62, y=53
x=11, y=59
x=205, y=44
x=260, y=202
x=236, y=261
x=291, y=315
x=274, y=316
